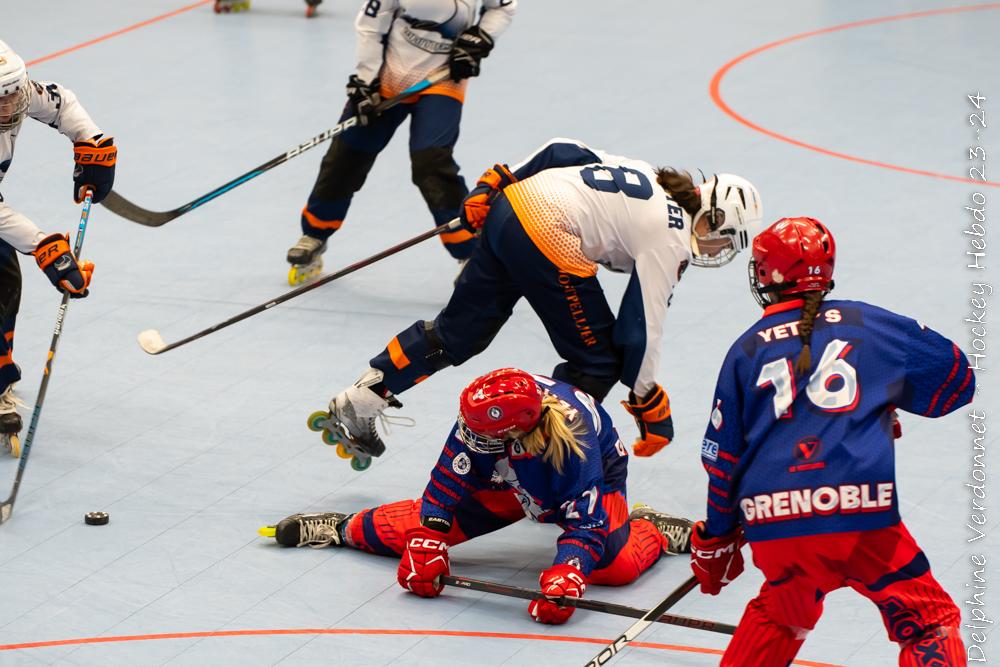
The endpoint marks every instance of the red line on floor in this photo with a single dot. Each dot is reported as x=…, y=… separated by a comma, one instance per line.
x=719, y=75
x=373, y=631
x=116, y=33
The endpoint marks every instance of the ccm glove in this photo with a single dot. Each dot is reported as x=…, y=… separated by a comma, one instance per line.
x=469, y=49
x=55, y=258
x=716, y=561
x=424, y=562
x=363, y=99
x=652, y=416
x=95, y=167
x=477, y=203
x=557, y=581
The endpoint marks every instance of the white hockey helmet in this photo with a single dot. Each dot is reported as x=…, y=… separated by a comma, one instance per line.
x=13, y=88
x=731, y=205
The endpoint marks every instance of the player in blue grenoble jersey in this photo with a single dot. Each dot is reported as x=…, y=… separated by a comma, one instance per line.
x=524, y=445
x=800, y=457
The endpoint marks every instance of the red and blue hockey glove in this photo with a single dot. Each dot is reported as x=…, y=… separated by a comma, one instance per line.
x=424, y=562
x=95, y=167
x=652, y=416
x=477, y=203
x=55, y=258
x=716, y=561
x=557, y=581
x=467, y=52
x=363, y=99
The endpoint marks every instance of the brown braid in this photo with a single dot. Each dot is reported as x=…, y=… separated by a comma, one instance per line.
x=813, y=300
x=681, y=188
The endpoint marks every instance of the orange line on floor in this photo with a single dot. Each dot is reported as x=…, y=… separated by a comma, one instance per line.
x=116, y=33
x=372, y=631
x=719, y=75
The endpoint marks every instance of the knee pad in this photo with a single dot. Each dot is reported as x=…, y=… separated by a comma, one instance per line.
x=595, y=386
x=435, y=172
x=342, y=172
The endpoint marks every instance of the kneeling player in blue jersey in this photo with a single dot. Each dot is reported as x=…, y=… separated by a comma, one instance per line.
x=800, y=458
x=523, y=445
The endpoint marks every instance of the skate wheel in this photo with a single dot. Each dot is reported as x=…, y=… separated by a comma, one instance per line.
x=267, y=531
x=359, y=464
x=342, y=452
x=330, y=438
x=310, y=12
x=15, y=446
x=316, y=420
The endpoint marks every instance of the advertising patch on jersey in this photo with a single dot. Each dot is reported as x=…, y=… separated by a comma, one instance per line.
x=461, y=464
x=807, y=452
x=717, y=415
x=710, y=449
x=495, y=413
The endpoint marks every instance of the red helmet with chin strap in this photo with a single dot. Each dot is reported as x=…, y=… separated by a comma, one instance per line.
x=495, y=404
x=792, y=256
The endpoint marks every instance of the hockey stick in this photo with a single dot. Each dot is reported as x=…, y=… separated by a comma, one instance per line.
x=126, y=209
x=152, y=342
x=8, y=505
x=619, y=642
x=584, y=603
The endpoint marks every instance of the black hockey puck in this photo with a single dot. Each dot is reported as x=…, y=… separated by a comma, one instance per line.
x=96, y=518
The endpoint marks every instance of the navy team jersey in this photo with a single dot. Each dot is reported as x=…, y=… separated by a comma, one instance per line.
x=573, y=499
x=789, y=456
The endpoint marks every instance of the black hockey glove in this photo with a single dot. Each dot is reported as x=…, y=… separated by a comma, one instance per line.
x=469, y=48
x=363, y=98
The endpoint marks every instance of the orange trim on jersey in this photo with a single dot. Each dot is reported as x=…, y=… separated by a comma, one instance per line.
x=9, y=336
x=320, y=224
x=460, y=236
x=396, y=354
x=524, y=216
x=6, y=360
x=421, y=379
x=783, y=306
x=445, y=88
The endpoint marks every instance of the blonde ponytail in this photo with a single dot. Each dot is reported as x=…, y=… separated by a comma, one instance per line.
x=555, y=437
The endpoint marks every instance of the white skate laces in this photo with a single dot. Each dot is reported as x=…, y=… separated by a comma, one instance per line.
x=677, y=530
x=358, y=407
x=318, y=533
x=9, y=402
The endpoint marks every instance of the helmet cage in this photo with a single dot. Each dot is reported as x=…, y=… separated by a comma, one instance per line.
x=723, y=241
x=480, y=444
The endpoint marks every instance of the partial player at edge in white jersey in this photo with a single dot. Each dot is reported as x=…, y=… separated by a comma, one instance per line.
x=95, y=156
x=545, y=226
x=400, y=43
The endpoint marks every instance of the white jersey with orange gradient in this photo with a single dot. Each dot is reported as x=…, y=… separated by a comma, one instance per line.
x=57, y=107
x=583, y=208
x=402, y=41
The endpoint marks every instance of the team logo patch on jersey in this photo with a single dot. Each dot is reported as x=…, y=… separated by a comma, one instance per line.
x=807, y=448
x=710, y=449
x=461, y=464
x=495, y=413
x=717, y=415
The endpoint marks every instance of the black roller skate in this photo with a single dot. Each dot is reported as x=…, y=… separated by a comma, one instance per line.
x=676, y=529
x=311, y=6
x=10, y=423
x=317, y=530
x=306, y=258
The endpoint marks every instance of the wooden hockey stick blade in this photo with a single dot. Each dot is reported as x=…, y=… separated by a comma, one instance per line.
x=118, y=205
x=152, y=342
x=126, y=209
x=588, y=604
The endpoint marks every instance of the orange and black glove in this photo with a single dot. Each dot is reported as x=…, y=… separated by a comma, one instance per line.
x=652, y=416
x=55, y=258
x=477, y=203
x=95, y=167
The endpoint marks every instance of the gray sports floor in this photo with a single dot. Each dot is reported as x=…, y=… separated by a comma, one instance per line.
x=191, y=451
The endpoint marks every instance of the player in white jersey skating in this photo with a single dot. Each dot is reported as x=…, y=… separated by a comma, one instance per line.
x=546, y=225
x=399, y=43
x=95, y=156
x=233, y=6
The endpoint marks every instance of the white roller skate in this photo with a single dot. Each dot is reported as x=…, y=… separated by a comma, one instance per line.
x=306, y=258
x=317, y=530
x=227, y=6
x=311, y=6
x=10, y=423
x=677, y=530
x=349, y=424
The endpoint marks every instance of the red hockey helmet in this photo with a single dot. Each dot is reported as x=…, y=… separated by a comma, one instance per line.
x=495, y=404
x=792, y=256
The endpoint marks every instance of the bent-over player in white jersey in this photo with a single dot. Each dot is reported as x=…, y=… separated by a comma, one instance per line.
x=95, y=156
x=546, y=225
